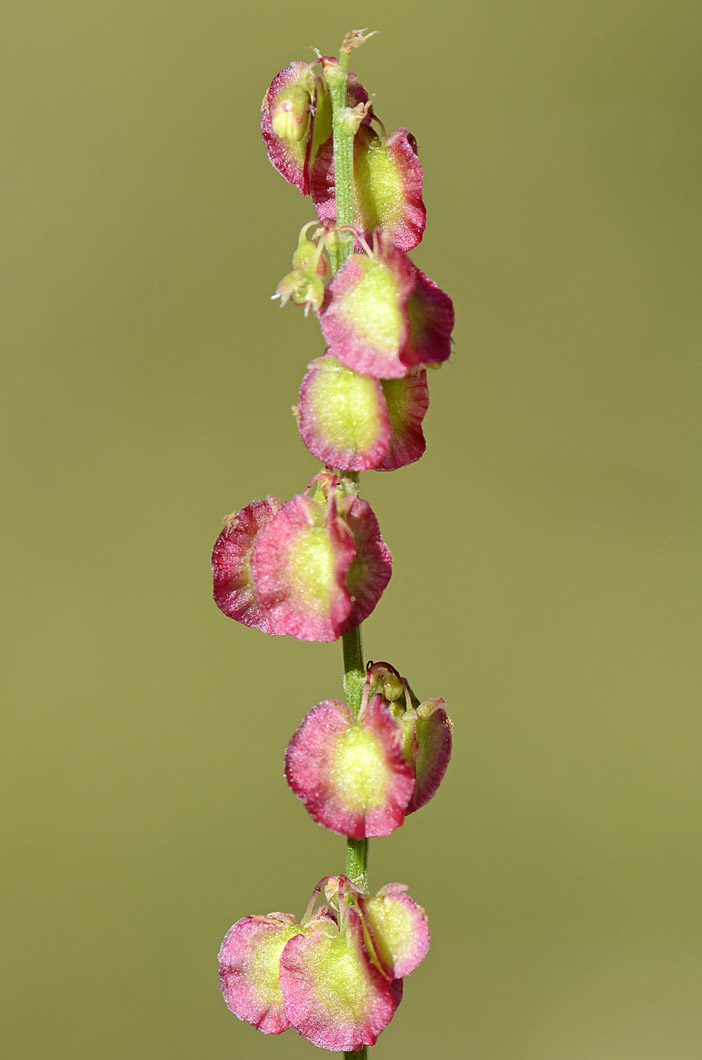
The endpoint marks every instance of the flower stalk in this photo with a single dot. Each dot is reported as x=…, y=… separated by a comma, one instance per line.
x=343, y=135
x=352, y=644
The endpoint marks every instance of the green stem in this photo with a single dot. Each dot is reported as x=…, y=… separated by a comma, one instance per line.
x=354, y=670
x=339, y=251
x=343, y=136
x=356, y=849
x=357, y=862
x=354, y=679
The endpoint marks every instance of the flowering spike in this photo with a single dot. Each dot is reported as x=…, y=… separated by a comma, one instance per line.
x=234, y=591
x=382, y=315
x=387, y=187
x=396, y=930
x=249, y=960
x=315, y=566
x=351, y=775
x=334, y=996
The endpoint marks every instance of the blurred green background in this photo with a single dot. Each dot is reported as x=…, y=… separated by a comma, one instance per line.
x=547, y=573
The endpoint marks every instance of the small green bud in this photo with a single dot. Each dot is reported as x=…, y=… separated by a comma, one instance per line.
x=306, y=250
x=290, y=117
x=393, y=687
x=309, y=293
x=302, y=289
x=304, y=257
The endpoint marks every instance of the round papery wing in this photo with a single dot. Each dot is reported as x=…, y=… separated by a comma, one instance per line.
x=249, y=960
x=334, y=996
x=343, y=416
x=233, y=588
x=299, y=565
x=431, y=315
x=433, y=734
x=365, y=318
x=397, y=932
x=350, y=774
x=370, y=570
x=289, y=155
x=407, y=402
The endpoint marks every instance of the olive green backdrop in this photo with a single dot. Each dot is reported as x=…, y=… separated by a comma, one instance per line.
x=547, y=572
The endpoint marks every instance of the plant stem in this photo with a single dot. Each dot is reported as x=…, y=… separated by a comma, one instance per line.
x=354, y=679
x=357, y=862
x=354, y=670
x=343, y=164
x=340, y=249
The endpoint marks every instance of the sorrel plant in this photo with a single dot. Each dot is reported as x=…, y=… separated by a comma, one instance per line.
x=315, y=566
